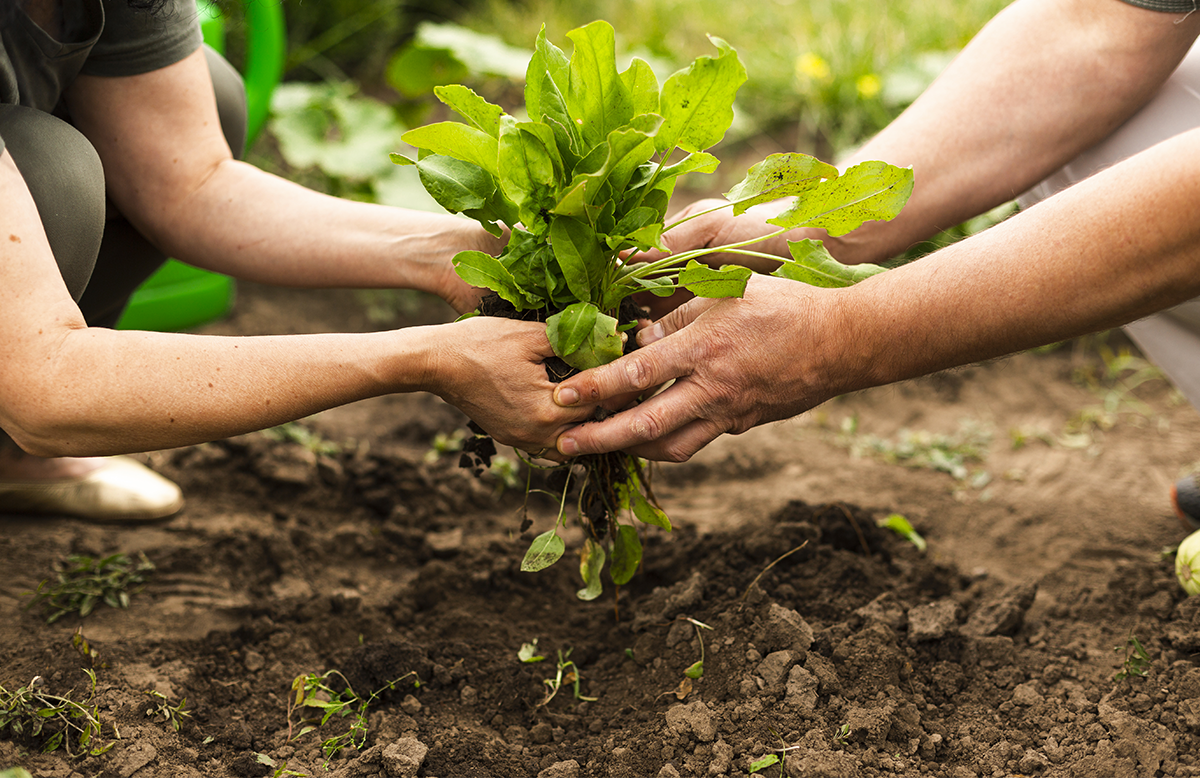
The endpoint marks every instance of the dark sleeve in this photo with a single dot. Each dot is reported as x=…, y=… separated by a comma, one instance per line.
x=1167, y=6
x=135, y=41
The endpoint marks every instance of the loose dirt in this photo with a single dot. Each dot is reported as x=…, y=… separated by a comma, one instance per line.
x=992, y=653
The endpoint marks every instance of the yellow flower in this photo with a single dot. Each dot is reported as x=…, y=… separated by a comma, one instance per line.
x=812, y=67
x=868, y=86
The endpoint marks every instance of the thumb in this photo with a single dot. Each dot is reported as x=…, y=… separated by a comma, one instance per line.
x=675, y=320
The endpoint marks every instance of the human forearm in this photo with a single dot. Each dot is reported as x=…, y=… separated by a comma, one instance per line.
x=260, y=227
x=94, y=391
x=1045, y=80
x=108, y=392
x=1108, y=251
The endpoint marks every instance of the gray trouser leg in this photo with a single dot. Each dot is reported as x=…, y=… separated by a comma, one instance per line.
x=102, y=261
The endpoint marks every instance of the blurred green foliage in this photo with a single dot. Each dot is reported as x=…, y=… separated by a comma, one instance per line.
x=824, y=75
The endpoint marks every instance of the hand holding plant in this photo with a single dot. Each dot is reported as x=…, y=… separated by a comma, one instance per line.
x=584, y=181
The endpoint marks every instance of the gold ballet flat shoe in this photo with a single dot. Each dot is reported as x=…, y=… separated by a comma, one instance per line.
x=121, y=489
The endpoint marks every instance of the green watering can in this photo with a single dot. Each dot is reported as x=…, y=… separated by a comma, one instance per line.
x=179, y=296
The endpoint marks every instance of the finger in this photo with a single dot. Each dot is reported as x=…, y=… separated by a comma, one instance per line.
x=680, y=445
x=656, y=418
x=631, y=374
x=675, y=320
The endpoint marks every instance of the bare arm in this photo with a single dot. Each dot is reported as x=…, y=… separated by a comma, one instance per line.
x=1107, y=251
x=66, y=389
x=1043, y=81
x=169, y=170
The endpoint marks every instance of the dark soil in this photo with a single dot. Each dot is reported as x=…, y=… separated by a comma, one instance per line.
x=990, y=654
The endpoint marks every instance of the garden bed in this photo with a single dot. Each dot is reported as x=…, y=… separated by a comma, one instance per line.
x=993, y=652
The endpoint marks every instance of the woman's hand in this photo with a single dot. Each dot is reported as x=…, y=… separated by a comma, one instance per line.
x=493, y=370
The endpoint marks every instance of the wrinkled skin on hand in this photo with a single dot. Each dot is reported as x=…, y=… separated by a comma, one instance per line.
x=736, y=363
x=719, y=228
x=491, y=369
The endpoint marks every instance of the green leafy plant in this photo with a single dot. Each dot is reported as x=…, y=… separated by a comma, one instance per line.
x=171, y=714
x=583, y=182
x=84, y=582
x=1136, y=663
x=72, y=726
x=565, y=672
x=316, y=691
x=763, y=763
x=903, y=527
x=279, y=769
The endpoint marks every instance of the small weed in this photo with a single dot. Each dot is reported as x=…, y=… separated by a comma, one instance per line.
x=695, y=671
x=902, y=527
x=763, y=763
x=842, y=736
x=85, y=582
x=314, y=691
x=81, y=644
x=1136, y=663
x=566, y=672
x=171, y=714
x=73, y=726
x=280, y=769
x=1115, y=380
x=951, y=454
x=528, y=653
x=294, y=432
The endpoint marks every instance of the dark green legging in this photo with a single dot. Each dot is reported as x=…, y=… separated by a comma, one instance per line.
x=102, y=260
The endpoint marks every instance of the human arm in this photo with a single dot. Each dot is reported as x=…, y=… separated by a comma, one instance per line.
x=170, y=172
x=1043, y=81
x=1109, y=250
x=67, y=389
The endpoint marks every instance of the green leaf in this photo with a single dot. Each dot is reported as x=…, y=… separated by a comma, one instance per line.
x=695, y=670
x=457, y=186
x=642, y=84
x=868, y=191
x=546, y=79
x=901, y=526
x=764, y=763
x=470, y=106
x=779, y=175
x=527, y=170
x=812, y=264
x=458, y=140
x=626, y=554
x=704, y=281
x=579, y=254
x=480, y=269
x=416, y=69
x=569, y=328
x=528, y=653
x=597, y=97
x=535, y=270
x=546, y=549
x=591, y=562
x=646, y=512
x=697, y=102
x=600, y=346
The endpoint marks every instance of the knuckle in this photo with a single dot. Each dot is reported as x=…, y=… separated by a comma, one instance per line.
x=639, y=373
x=647, y=425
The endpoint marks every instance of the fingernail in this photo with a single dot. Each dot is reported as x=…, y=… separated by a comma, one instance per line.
x=650, y=334
x=568, y=447
x=566, y=397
